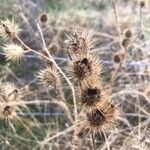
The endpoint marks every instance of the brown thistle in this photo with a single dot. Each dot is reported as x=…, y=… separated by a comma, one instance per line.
x=49, y=77
x=80, y=43
x=9, y=29
x=103, y=118
x=83, y=67
x=92, y=93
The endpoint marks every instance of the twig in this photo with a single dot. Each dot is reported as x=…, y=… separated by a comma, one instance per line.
x=93, y=141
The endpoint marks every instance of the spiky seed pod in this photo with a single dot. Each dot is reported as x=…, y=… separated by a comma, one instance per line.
x=9, y=94
x=92, y=93
x=118, y=58
x=103, y=118
x=83, y=67
x=125, y=42
x=80, y=43
x=43, y=18
x=128, y=33
x=9, y=29
x=49, y=77
x=13, y=52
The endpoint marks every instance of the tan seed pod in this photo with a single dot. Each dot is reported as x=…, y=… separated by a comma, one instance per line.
x=13, y=52
x=82, y=67
x=92, y=93
x=103, y=118
x=49, y=77
x=80, y=43
x=9, y=29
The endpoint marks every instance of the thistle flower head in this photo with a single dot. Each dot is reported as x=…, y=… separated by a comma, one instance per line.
x=82, y=67
x=49, y=77
x=92, y=93
x=9, y=94
x=9, y=29
x=103, y=118
x=80, y=43
x=13, y=52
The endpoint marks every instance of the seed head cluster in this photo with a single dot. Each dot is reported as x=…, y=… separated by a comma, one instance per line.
x=85, y=68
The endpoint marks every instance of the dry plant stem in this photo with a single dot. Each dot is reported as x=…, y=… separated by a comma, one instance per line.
x=93, y=140
x=140, y=19
x=68, y=81
x=107, y=144
x=61, y=72
x=117, y=21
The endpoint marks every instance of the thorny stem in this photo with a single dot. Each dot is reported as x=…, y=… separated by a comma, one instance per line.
x=93, y=140
x=62, y=73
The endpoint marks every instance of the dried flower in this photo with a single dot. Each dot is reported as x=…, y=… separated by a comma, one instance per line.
x=49, y=77
x=92, y=93
x=83, y=67
x=13, y=52
x=9, y=29
x=103, y=118
x=80, y=44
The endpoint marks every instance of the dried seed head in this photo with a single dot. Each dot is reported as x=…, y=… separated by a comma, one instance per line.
x=128, y=33
x=102, y=119
x=80, y=44
x=142, y=3
x=9, y=94
x=13, y=52
x=43, y=18
x=118, y=58
x=83, y=67
x=125, y=42
x=9, y=29
x=49, y=77
x=92, y=93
